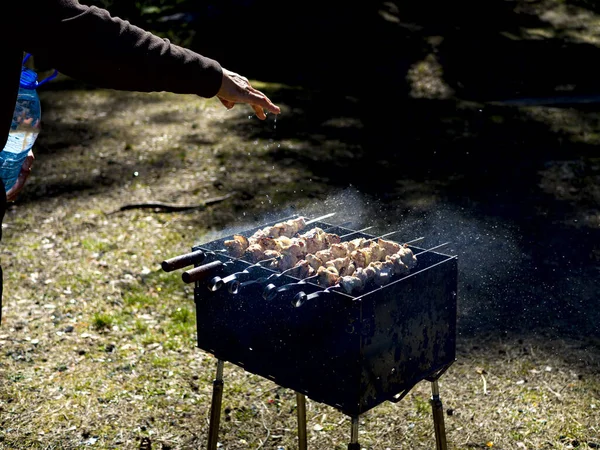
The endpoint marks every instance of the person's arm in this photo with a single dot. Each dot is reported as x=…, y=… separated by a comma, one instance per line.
x=88, y=44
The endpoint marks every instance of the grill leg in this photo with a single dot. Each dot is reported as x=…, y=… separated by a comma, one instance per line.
x=301, y=409
x=438, y=417
x=215, y=408
x=354, y=445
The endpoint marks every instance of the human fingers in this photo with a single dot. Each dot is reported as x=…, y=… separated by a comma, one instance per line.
x=28, y=163
x=266, y=101
x=256, y=98
x=226, y=103
x=260, y=113
x=13, y=192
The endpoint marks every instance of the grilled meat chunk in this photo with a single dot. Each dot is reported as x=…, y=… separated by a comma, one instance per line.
x=327, y=276
x=362, y=257
x=255, y=253
x=270, y=238
x=285, y=229
x=343, y=266
x=350, y=284
x=355, y=244
x=389, y=246
x=314, y=261
x=237, y=246
x=408, y=257
x=314, y=240
x=302, y=269
x=287, y=261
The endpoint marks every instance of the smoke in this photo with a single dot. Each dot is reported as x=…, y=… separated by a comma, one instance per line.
x=499, y=285
x=490, y=258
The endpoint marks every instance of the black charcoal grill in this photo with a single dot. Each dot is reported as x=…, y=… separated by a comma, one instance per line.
x=351, y=352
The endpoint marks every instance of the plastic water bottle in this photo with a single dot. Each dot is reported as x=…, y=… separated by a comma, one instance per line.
x=24, y=128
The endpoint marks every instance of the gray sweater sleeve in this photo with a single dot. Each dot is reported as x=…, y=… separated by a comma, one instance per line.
x=89, y=44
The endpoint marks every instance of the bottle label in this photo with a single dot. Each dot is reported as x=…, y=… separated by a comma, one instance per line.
x=20, y=142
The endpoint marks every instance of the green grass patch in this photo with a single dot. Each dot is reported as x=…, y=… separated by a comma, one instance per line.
x=162, y=362
x=140, y=326
x=139, y=299
x=97, y=246
x=102, y=321
x=183, y=316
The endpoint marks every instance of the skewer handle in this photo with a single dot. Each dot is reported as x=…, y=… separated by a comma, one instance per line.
x=270, y=292
x=200, y=272
x=181, y=261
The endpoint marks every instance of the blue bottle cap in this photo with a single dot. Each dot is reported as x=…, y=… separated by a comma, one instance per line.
x=28, y=79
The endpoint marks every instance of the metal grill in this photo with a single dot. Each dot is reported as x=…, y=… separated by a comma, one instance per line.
x=351, y=352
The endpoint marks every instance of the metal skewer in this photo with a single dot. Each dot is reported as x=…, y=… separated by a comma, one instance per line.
x=318, y=219
x=354, y=232
x=432, y=248
x=383, y=235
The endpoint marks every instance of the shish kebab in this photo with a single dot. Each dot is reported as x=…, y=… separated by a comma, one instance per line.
x=317, y=254
x=271, y=241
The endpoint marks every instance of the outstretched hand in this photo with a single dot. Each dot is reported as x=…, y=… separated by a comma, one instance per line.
x=13, y=192
x=237, y=89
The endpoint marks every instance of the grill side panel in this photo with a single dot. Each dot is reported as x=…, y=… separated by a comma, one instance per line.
x=409, y=332
x=311, y=349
